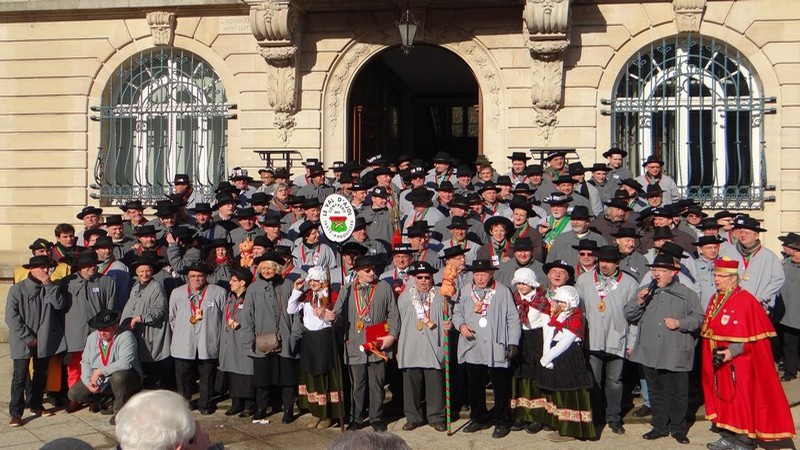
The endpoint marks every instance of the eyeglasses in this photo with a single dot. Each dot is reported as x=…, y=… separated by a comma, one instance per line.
x=586, y=253
x=423, y=277
x=368, y=269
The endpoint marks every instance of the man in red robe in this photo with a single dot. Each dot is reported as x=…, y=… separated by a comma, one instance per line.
x=743, y=394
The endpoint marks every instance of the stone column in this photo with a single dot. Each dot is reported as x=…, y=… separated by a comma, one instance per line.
x=276, y=25
x=546, y=31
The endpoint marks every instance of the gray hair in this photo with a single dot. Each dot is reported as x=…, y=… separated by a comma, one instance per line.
x=154, y=420
x=368, y=440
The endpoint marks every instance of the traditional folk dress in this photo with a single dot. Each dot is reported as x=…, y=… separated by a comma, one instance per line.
x=566, y=383
x=527, y=401
x=319, y=382
x=744, y=395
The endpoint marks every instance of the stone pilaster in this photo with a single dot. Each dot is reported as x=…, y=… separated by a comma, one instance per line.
x=276, y=25
x=546, y=31
x=162, y=27
x=688, y=14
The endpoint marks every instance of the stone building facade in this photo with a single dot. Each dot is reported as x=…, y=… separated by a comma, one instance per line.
x=278, y=74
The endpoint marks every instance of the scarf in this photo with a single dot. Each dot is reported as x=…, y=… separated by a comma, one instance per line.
x=535, y=299
x=747, y=252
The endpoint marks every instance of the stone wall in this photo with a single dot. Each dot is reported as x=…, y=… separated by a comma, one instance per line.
x=52, y=72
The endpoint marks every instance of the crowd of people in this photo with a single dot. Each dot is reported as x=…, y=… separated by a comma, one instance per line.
x=543, y=283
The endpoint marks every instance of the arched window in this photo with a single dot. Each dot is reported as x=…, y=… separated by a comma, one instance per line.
x=164, y=112
x=695, y=103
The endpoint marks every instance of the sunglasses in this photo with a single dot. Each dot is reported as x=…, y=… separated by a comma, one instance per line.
x=586, y=253
x=423, y=277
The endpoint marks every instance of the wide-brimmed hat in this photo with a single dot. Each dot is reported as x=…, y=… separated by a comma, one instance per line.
x=481, y=265
x=618, y=203
x=633, y=184
x=557, y=199
x=196, y=267
x=488, y=186
x=243, y=213
x=672, y=249
x=504, y=221
x=283, y=173
x=309, y=162
x=614, y=151
x=709, y=223
x=420, y=196
x=311, y=202
x=609, y=253
x=113, y=219
x=363, y=262
x=276, y=256
x=39, y=261
x=132, y=204
x=460, y=201
x=696, y=210
x=522, y=244
x=104, y=319
x=599, y=167
x=519, y=156
x=555, y=153
x=305, y=227
x=87, y=234
x=446, y=186
x=564, y=179
x=144, y=230
x=464, y=171
x=586, y=244
x=653, y=159
x=89, y=210
x=239, y=173
x=40, y=243
x=419, y=267
x=418, y=228
x=202, y=207
x=85, y=258
x=442, y=157
x=653, y=190
x=361, y=222
x=790, y=238
x=626, y=232
x=403, y=247
x=104, y=242
x=354, y=247
x=146, y=260
x=315, y=169
x=260, y=198
x=459, y=223
x=164, y=209
x=559, y=264
x=724, y=214
x=664, y=261
x=375, y=160
x=580, y=212
x=451, y=252
x=243, y=274
x=262, y=241
x=534, y=169
x=705, y=240
x=270, y=220
x=503, y=180
x=576, y=168
x=663, y=233
x=748, y=224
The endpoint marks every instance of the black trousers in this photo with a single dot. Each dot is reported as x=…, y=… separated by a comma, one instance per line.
x=791, y=338
x=16, y=404
x=187, y=371
x=122, y=385
x=263, y=397
x=501, y=385
x=368, y=377
x=159, y=375
x=669, y=399
x=427, y=384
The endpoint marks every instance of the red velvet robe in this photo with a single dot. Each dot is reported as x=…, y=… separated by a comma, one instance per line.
x=743, y=396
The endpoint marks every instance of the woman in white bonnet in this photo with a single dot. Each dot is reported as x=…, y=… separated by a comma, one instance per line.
x=319, y=382
x=564, y=374
x=527, y=401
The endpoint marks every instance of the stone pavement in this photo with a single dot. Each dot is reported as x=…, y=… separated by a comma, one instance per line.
x=239, y=433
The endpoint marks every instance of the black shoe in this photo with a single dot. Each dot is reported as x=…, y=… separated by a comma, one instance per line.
x=234, y=410
x=518, y=425
x=379, y=426
x=680, y=438
x=788, y=377
x=644, y=411
x=207, y=411
x=439, y=426
x=94, y=408
x=288, y=417
x=653, y=434
x=616, y=427
x=475, y=426
x=355, y=425
x=246, y=413
x=534, y=427
x=193, y=405
x=501, y=431
x=107, y=411
x=411, y=426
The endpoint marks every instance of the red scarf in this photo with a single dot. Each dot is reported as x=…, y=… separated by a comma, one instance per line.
x=537, y=302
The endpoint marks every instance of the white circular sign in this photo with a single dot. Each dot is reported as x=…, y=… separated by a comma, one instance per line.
x=338, y=218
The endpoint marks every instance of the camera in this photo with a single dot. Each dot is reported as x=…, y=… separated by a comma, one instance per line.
x=718, y=357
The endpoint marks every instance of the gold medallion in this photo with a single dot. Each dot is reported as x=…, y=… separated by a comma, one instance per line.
x=601, y=306
x=745, y=277
x=359, y=326
x=192, y=320
x=419, y=325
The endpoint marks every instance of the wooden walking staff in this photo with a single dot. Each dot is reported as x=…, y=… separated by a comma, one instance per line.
x=448, y=290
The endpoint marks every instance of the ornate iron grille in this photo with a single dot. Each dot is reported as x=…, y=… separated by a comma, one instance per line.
x=164, y=112
x=695, y=103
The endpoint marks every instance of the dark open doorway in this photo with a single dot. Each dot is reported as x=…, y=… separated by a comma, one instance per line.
x=418, y=104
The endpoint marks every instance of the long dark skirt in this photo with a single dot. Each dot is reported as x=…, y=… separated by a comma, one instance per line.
x=566, y=388
x=239, y=386
x=275, y=371
x=527, y=400
x=319, y=382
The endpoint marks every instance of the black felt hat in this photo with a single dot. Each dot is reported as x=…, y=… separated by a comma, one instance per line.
x=89, y=210
x=104, y=319
x=519, y=156
x=363, y=262
x=196, y=267
x=559, y=264
x=614, y=151
x=609, y=253
x=39, y=261
x=453, y=251
x=419, y=267
x=664, y=261
x=481, y=265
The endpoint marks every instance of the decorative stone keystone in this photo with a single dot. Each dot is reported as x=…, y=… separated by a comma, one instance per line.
x=546, y=34
x=162, y=27
x=688, y=14
x=276, y=26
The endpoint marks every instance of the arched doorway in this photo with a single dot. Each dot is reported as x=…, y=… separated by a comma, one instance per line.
x=416, y=104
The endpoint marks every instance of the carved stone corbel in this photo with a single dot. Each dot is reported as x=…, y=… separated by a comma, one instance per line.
x=688, y=14
x=162, y=27
x=546, y=34
x=276, y=26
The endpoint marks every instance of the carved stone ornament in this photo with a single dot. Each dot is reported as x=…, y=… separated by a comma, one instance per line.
x=276, y=26
x=688, y=14
x=162, y=27
x=546, y=33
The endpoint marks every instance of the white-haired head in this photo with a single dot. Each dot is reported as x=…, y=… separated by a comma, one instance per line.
x=568, y=295
x=525, y=276
x=154, y=420
x=317, y=273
